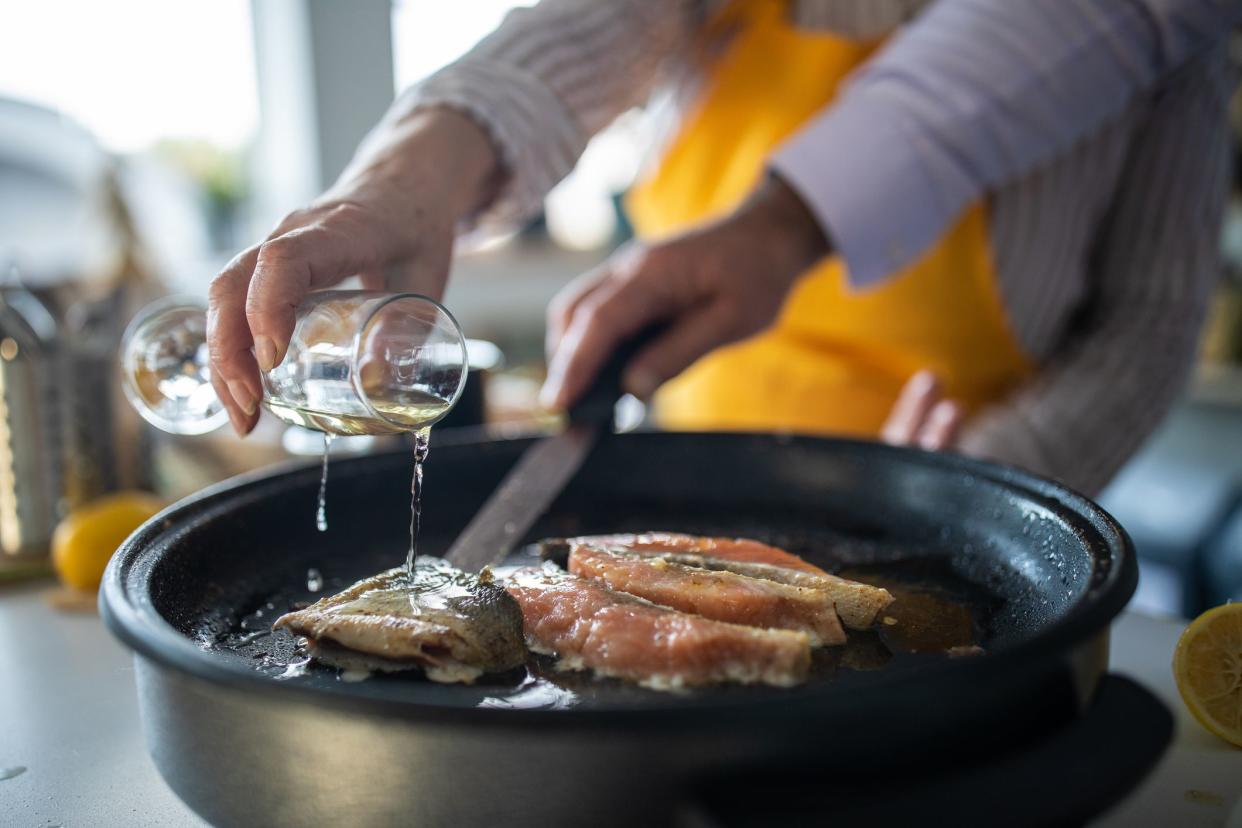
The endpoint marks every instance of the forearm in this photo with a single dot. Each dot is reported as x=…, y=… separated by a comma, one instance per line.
x=974, y=94
x=777, y=215
x=436, y=150
x=1089, y=409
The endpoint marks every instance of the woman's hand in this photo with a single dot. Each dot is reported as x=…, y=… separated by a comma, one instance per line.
x=713, y=285
x=390, y=220
x=923, y=416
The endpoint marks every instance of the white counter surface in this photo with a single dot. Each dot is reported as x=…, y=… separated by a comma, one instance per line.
x=68, y=715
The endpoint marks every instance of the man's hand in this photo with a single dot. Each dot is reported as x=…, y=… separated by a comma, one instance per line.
x=390, y=220
x=713, y=285
x=923, y=416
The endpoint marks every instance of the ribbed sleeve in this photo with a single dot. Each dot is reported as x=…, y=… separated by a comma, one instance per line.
x=970, y=96
x=1121, y=366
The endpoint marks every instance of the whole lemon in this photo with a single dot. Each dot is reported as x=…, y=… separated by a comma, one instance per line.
x=85, y=540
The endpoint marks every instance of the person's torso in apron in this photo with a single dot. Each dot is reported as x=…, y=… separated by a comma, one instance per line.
x=836, y=359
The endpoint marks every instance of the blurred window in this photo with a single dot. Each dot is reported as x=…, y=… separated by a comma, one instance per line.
x=136, y=72
x=428, y=34
x=582, y=213
x=170, y=89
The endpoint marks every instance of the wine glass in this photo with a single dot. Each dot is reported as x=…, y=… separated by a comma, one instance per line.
x=359, y=362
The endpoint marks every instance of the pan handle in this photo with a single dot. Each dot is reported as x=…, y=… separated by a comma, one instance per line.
x=595, y=407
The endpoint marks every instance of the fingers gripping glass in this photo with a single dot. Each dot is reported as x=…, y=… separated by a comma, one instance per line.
x=359, y=362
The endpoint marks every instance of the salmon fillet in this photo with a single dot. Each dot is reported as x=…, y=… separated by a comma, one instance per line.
x=721, y=596
x=588, y=626
x=728, y=549
x=857, y=604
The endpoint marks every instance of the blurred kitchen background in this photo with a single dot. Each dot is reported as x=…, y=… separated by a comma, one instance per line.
x=144, y=142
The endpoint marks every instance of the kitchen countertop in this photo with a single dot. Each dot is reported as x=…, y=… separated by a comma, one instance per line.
x=68, y=715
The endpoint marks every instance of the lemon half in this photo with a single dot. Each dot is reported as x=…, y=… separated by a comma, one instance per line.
x=1207, y=665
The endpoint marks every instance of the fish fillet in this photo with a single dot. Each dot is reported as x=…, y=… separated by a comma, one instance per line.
x=591, y=627
x=857, y=604
x=730, y=549
x=721, y=596
x=453, y=625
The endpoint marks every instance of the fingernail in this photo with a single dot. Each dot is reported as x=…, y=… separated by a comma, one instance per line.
x=242, y=396
x=642, y=384
x=549, y=393
x=924, y=382
x=551, y=390
x=238, y=429
x=265, y=353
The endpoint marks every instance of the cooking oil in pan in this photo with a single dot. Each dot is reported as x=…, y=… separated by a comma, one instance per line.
x=534, y=693
x=296, y=668
x=924, y=618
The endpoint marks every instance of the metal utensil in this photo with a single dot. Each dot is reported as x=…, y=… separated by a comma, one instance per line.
x=544, y=470
x=64, y=438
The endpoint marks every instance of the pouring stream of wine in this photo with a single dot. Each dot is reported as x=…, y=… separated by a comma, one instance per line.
x=321, y=514
x=421, y=447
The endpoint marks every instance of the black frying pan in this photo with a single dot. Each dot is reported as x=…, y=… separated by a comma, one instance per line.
x=1043, y=570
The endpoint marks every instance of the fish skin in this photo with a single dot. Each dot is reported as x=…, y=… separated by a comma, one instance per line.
x=589, y=626
x=858, y=604
x=465, y=625
x=719, y=595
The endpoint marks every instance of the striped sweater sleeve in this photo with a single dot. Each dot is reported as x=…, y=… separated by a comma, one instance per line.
x=970, y=96
x=1153, y=268
x=550, y=77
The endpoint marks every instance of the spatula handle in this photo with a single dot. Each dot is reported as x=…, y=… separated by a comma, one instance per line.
x=595, y=407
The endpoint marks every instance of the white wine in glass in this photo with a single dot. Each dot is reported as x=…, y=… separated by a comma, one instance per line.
x=359, y=362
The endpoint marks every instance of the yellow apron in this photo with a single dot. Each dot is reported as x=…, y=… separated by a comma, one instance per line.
x=836, y=358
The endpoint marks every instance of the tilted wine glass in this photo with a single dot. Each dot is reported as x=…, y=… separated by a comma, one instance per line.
x=359, y=362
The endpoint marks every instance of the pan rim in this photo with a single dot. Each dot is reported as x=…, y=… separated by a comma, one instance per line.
x=132, y=617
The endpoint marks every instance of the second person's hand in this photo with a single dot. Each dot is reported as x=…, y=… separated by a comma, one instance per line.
x=711, y=286
x=923, y=416
x=390, y=219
